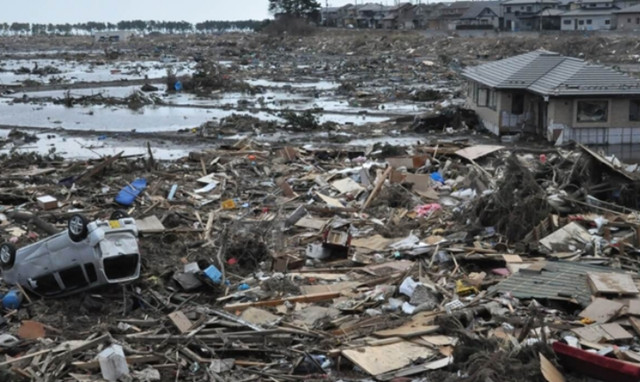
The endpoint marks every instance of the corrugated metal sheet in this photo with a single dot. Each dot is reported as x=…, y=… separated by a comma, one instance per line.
x=549, y=73
x=557, y=281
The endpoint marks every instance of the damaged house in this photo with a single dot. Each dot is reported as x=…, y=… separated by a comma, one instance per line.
x=561, y=98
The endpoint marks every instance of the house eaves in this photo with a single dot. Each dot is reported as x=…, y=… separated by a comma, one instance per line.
x=633, y=9
x=589, y=12
x=550, y=74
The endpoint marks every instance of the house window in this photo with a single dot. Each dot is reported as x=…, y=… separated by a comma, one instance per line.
x=528, y=8
x=637, y=20
x=589, y=22
x=634, y=110
x=483, y=97
x=607, y=22
x=592, y=111
x=508, y=9
x=566, y=22
x=629, y=20
x=493, y=99
x=581, y=22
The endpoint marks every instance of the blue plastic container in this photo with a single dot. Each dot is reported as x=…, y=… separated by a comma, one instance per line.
x=214, y=274
x=12, y=299
x=128, y=194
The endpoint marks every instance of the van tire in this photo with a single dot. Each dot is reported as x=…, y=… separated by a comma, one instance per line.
x=118, y=214
x=77, y=227
x=7, y=255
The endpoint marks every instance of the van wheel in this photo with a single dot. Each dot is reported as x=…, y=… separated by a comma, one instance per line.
x=7, y=255
x=78, y=228
x=118, y=214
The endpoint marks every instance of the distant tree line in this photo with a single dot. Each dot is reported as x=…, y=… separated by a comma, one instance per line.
x=141, y=26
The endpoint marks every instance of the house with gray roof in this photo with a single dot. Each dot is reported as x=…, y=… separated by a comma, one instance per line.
x=399, y=16
x=585, y=19
x=561, y=98
x=448, y=16
x=370, y=15
x=520, y=15
x=481, y=15
x=590, y=15
x=628, y=19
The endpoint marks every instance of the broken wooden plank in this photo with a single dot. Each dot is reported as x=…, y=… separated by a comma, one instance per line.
x=181, y=321
x=549, y=371
x=96, y=169
x=328, y=288
x=419, y=325
x=376, y=189
x=259, y=317
x=304, y=298
x=25, y=357
x=131, y=360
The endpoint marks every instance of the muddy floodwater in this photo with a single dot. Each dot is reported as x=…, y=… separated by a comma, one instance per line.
x=84, y=104
x=41, y=87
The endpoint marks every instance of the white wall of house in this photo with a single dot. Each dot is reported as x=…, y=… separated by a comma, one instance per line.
x=628, y=21
x=622, y=124
x=512, y=14
x=588, y=23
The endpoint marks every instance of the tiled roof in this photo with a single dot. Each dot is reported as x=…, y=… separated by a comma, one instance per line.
x=549, y=73
x=479, y=6
x=634, y=9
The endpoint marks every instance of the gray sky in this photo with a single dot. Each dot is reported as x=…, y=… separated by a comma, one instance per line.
x=72, y=11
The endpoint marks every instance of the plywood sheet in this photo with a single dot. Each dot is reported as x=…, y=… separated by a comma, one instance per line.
x=311, y=222
x=478, y=151
x=374, y=243
x=336, y=287
x=333, y=202
x=599, y=332
x=611, y=283
x=377, y=360
x=150, y=224
x=347, y=185
x=602, y=310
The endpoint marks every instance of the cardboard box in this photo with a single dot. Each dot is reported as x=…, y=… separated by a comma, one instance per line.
x=47, y=202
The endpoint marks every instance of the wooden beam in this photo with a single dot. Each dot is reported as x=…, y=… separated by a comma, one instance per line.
x=376, y=189
x=315, y=297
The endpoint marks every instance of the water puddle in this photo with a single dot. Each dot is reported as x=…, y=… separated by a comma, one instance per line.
x=88, y=148
x=89, y=71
